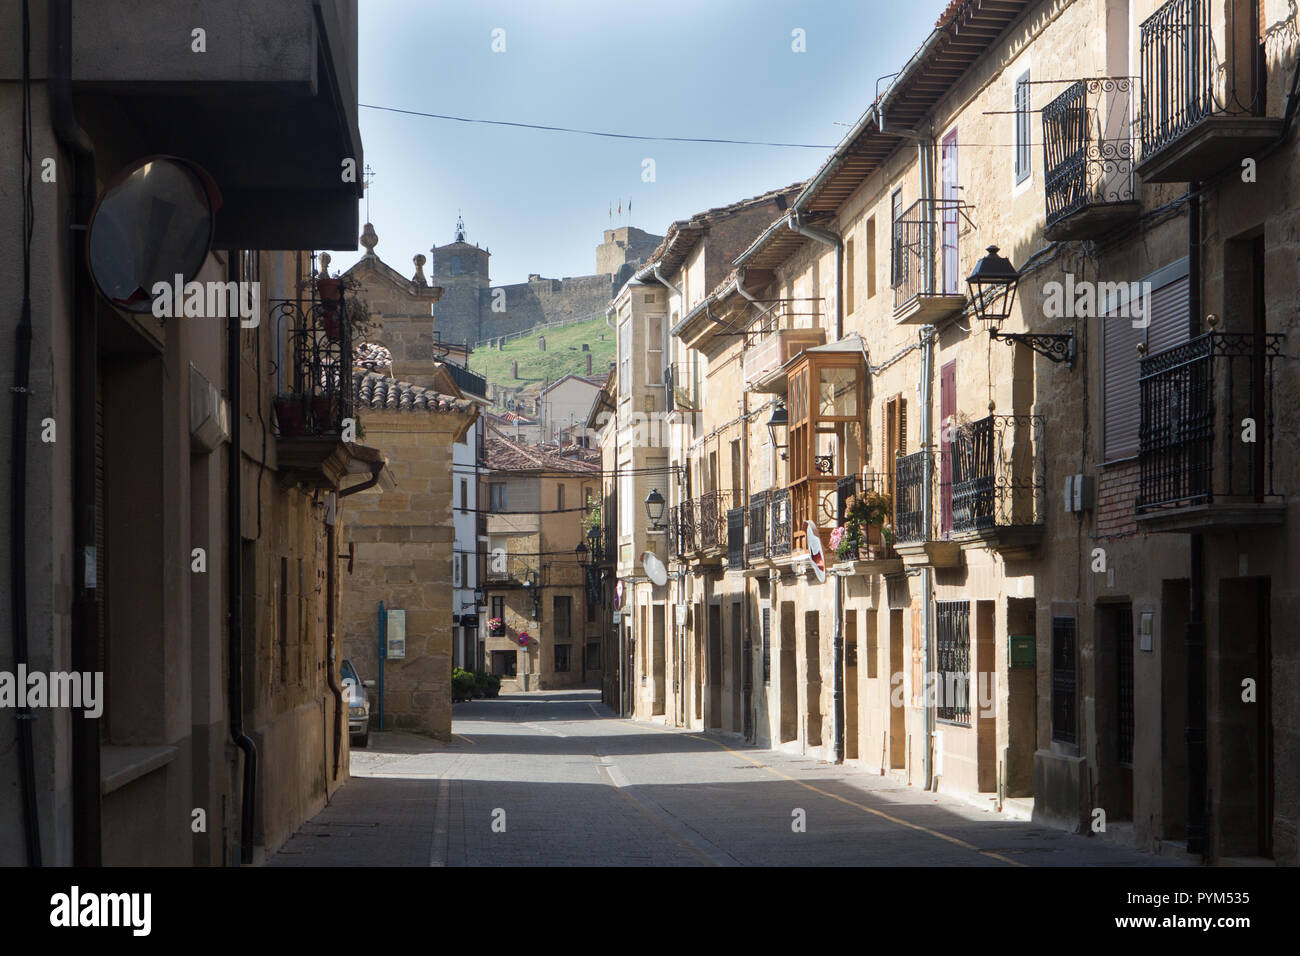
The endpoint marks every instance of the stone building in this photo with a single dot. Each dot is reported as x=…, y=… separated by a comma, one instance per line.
x=417, y=548
x=473, y=310
x=1057, y=593
x=177, y=540
x=535, y=578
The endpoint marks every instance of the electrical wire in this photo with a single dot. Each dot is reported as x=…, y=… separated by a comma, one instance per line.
x=591, y=132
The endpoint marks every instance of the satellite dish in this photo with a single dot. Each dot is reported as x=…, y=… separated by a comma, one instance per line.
x=815, y=553
x=151, y=224
x=654, y=568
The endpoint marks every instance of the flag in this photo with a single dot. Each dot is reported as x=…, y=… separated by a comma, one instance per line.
x=629, y=207
x=620, y=207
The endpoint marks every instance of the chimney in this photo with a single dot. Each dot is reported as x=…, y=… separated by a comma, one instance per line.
x=588, y=363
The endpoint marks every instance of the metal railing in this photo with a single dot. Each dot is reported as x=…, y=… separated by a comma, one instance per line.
x=779, y=524
x=513, y=569
x=852, y=486
x=1180, y=68
x=759, y=504
x=681, y=388
x=927, y=233
x=319, y=335
x=909, y=496
x=998, y=473
x=712, y=518
x=1198, y=400
x=736, y=537
x=1088, y=146
x=952, y=657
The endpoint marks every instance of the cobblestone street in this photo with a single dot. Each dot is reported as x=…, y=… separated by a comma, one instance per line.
x=572, y=785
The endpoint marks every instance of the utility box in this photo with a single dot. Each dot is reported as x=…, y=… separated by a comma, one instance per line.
x=1078, y=493
x=1022, y=650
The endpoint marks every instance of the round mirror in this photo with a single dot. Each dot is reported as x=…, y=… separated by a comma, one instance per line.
x=153, y=223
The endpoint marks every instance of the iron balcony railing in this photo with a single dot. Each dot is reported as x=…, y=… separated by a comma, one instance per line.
x=687, y=528
x=910, y=472
x=1207, y=421
x=924, y=255
x=779, y=525
x=1088, y=146
x=759, y=504
x=513, y=570
x=1190, y=73
x=998, y=473
x=317, y=393
x=874, y=545
x=681, y=388
x=736, y=538
x=712, y=516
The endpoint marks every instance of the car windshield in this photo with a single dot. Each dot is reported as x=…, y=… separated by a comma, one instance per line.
x=347, y=672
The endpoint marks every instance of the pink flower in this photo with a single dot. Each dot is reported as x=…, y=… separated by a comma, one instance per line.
x=836, y=536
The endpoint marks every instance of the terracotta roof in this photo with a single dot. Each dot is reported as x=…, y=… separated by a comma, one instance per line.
x=372, y=390
x=505, y=454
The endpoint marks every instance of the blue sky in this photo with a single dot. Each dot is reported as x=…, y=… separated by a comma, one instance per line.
x=540, y=200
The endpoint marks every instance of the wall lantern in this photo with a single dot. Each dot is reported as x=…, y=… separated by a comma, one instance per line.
x=993, y=292
x=654, y=509
x=780, y=419
x=582, y=552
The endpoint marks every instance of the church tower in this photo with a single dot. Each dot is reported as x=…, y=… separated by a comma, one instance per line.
x=461, y=268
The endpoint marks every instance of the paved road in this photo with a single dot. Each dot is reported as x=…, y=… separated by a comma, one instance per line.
x=555, y=779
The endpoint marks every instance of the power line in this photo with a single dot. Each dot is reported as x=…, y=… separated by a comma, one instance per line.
x=593, y=132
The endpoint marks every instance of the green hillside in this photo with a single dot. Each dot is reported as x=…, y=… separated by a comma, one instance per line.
x=563, y=355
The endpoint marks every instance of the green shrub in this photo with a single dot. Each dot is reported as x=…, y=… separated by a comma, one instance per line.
x=462, y=684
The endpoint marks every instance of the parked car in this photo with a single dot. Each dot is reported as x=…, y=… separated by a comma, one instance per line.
x=358, y=704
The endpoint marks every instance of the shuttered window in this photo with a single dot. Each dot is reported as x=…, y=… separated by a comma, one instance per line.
x=767, y=645
x=1121, y=399
x=893, y=437
x=1023, y=128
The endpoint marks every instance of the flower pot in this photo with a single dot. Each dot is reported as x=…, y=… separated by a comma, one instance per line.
x=325, y=410
x=328, y=290
x=290, y=415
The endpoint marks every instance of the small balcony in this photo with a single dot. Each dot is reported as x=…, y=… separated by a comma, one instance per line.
x=1088, y=155
x=778, y=341
x=1206, y=436
x=682, y=388
x=512, y=571
x=711, y=508
x=998, y=482
x=926, y=262
x=914, y=534
x=759, y=505
x=779, y=515
x=1203, y=83
x=874, y=553
x=316, y=397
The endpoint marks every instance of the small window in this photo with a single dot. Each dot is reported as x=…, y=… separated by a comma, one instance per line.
x=1023, y=128
x=561, y=657
x=850, y=277
x=498, y=497
x=464, y=495
x=895, y=231
x=871, y=257
x=559, y=497
x=563, y=616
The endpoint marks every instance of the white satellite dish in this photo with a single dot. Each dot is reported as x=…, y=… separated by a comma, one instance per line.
x=815, y=553
x=654, y=568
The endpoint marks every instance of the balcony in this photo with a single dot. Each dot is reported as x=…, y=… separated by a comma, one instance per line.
x=778, y=342
x=779, y=537
x=759, y=505
x=926, y=262
x=1197, y=473
x=875, y=554
x=682, y=388
x=1202, y=90
x=914, y=537
x=512, y=571
x=1088, y=156
x=736, y=539
x=998, y=484
x=317, y=396
x=711, y=521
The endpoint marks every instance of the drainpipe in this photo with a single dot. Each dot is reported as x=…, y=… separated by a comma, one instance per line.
x=234, y=585
x=331, y=595
x=837, y=594
x=927, y=529
x=87, y=848
x=1197, y=817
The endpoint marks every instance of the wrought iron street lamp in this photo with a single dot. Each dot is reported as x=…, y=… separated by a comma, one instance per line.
x=654, y=509
x=780, y=419
x=993, y=293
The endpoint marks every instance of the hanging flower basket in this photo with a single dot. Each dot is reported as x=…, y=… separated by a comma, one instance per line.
x=496, y=627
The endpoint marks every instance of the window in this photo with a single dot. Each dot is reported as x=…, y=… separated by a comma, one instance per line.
x=654, y=374
x=498, y=607
x=625, y=359
x=893, y=437
x=1023, y=127
x=1064, y=680
x=498, y=497
x=559, y=497
x=561, y=657
x=849, y=277
x=563, y=616
x=593, y=655
x=952, y=620
x=871, y=257
x=767, y=645
x=896, y=249
x=457, y=567
x=464, y=495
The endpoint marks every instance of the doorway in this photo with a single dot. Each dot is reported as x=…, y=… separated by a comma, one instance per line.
x=851, y=685
x=897, y=730
x=789, y=687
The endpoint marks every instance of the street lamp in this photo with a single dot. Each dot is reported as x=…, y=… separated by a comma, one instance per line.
x=654, y=509
x=780, y=419
x=581, y=552
x=993, y=292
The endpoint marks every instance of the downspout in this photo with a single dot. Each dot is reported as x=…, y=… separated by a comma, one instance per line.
x=837, y=594
x=235, y=598
x=1197, y=822
x=86, y=822
x=331, y=595
x=927, y=529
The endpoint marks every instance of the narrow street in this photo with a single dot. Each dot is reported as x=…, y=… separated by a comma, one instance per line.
x=581, y=787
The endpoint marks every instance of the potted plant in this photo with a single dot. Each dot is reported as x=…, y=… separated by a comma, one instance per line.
x=863, y=529
x=290, y=414
x=496, y=627
x=325, y=409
